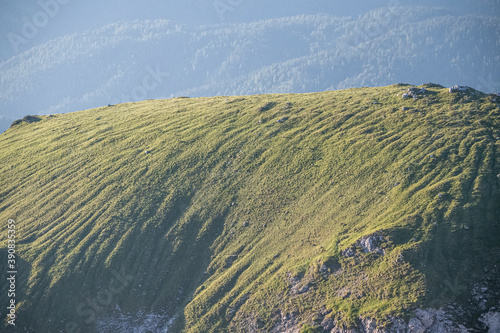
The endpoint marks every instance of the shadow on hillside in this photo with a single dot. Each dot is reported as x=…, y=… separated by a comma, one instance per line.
x=460, y=259
x=146, y=284
x=14, y=289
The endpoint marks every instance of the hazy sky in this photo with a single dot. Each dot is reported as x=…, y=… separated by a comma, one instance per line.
x=27, y=23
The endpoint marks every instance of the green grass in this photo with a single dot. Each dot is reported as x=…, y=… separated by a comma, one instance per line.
x=228, y=204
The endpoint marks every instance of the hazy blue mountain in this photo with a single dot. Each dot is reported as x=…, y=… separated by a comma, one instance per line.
x=144, y=59
x=40, y=21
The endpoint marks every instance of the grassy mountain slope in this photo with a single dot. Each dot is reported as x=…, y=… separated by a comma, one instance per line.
x=232, y=213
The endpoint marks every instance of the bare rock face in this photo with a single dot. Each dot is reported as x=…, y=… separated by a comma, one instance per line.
x=426, y=317
x=349, y=252
x=492, y=321
x=370, y=325
x=371, y=244
x=425, y=321
x=414, y=92
x=416, y=326
x=368, y=244
x=464, y=92
x=460, y=89
x=139, y=322
x=327, y=324
x=288, y=324
x=434, y=320
x=345, y=330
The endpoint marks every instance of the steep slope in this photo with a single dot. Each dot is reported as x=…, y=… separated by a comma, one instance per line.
x=255, y=213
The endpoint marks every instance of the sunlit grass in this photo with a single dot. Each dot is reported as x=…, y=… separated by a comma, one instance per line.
x=211, y=203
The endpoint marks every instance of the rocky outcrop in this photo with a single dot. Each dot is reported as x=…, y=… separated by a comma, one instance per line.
x=367, y=244
x=142, y=321
x=443, y=320
x=414, y=92
x=494, y=98
x=425, y=317
x=298, y=284
x=460, y=89
x=289, y=323
x=27, y=119
x=492, y=321
x=432, y=320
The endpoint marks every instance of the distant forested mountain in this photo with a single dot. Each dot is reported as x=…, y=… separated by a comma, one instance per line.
x=131, y=61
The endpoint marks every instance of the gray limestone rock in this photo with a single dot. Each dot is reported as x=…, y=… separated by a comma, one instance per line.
x=426, y=317
x=416, y=326
x=492, y=321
